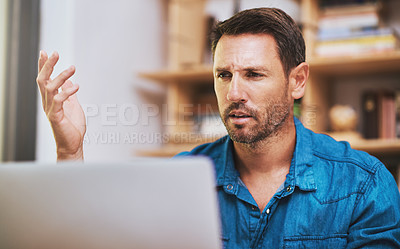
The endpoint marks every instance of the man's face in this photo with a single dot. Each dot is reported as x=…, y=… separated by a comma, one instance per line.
x=251, y=87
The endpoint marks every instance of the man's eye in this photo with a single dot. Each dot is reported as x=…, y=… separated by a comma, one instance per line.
x=253, y=75
x=224, y=75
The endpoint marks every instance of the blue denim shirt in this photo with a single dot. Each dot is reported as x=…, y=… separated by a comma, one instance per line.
x=333, y=197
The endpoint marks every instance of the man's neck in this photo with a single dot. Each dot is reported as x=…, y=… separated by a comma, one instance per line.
x=263, y=167
x=270, y=156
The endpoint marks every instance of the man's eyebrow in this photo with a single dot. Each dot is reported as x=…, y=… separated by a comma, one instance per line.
x=259, y=69
x=219, y=69
x=248, y=69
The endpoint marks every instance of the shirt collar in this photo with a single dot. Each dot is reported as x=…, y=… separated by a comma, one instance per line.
x=227, y=172
x=300, y=174
x=303, y=158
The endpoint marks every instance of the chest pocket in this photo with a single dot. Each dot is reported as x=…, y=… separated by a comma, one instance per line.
x=315, y=242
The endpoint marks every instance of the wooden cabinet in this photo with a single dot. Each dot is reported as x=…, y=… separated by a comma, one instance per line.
x=184, y=78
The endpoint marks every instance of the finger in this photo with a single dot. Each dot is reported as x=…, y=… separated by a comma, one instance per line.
x=66, y=85
x=42, y=59
x=62, y=96
x=60, y=80
x=47, y=69
x=51, y=89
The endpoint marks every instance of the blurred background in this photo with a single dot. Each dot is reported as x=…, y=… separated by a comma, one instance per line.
x=144, y=70
x=110, y=43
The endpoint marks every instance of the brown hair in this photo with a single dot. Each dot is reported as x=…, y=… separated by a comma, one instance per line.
x=272, y=21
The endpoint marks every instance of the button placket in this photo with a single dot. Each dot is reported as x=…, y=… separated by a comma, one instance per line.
x=265, y=219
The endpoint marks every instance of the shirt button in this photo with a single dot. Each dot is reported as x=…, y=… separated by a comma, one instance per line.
x=268, y=211
x=229, y=187
x=254, y=208
x=288, y=188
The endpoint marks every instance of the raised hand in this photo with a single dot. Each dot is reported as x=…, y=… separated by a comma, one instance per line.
x=62, y=108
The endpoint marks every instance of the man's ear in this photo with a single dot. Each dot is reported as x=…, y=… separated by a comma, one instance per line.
x=297, y=80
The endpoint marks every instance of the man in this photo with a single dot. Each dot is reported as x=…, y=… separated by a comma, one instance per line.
x=279, y=184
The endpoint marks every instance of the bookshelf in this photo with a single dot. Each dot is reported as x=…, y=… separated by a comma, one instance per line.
x=324, y=75
x=183, y=81
x=188, y=81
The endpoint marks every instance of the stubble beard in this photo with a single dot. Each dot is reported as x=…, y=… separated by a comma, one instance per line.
x=268, y=121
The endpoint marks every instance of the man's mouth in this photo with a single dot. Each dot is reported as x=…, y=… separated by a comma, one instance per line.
x=239, y=115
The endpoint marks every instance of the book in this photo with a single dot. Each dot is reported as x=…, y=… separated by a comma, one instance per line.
x=351, y=21
x=352, y=28
x=351, y=8
x=385, y=41
x=333, y=3
x=347, y=33
x=397, y=108
x=379, y=114
x=387, y=115
x=370, y=116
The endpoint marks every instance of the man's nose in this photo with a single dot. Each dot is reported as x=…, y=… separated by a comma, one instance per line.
x=236, y=92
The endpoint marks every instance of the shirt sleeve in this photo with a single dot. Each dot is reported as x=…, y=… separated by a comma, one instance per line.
x=182, y=154
x=376, y=216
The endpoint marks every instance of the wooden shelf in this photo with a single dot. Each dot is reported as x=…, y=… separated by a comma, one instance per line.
x=329, y=66
x=373, y=146
x=378, y=146
x=362, y=64
x=191, y=75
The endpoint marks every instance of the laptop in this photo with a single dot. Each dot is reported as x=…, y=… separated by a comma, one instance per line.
x=145, y=204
